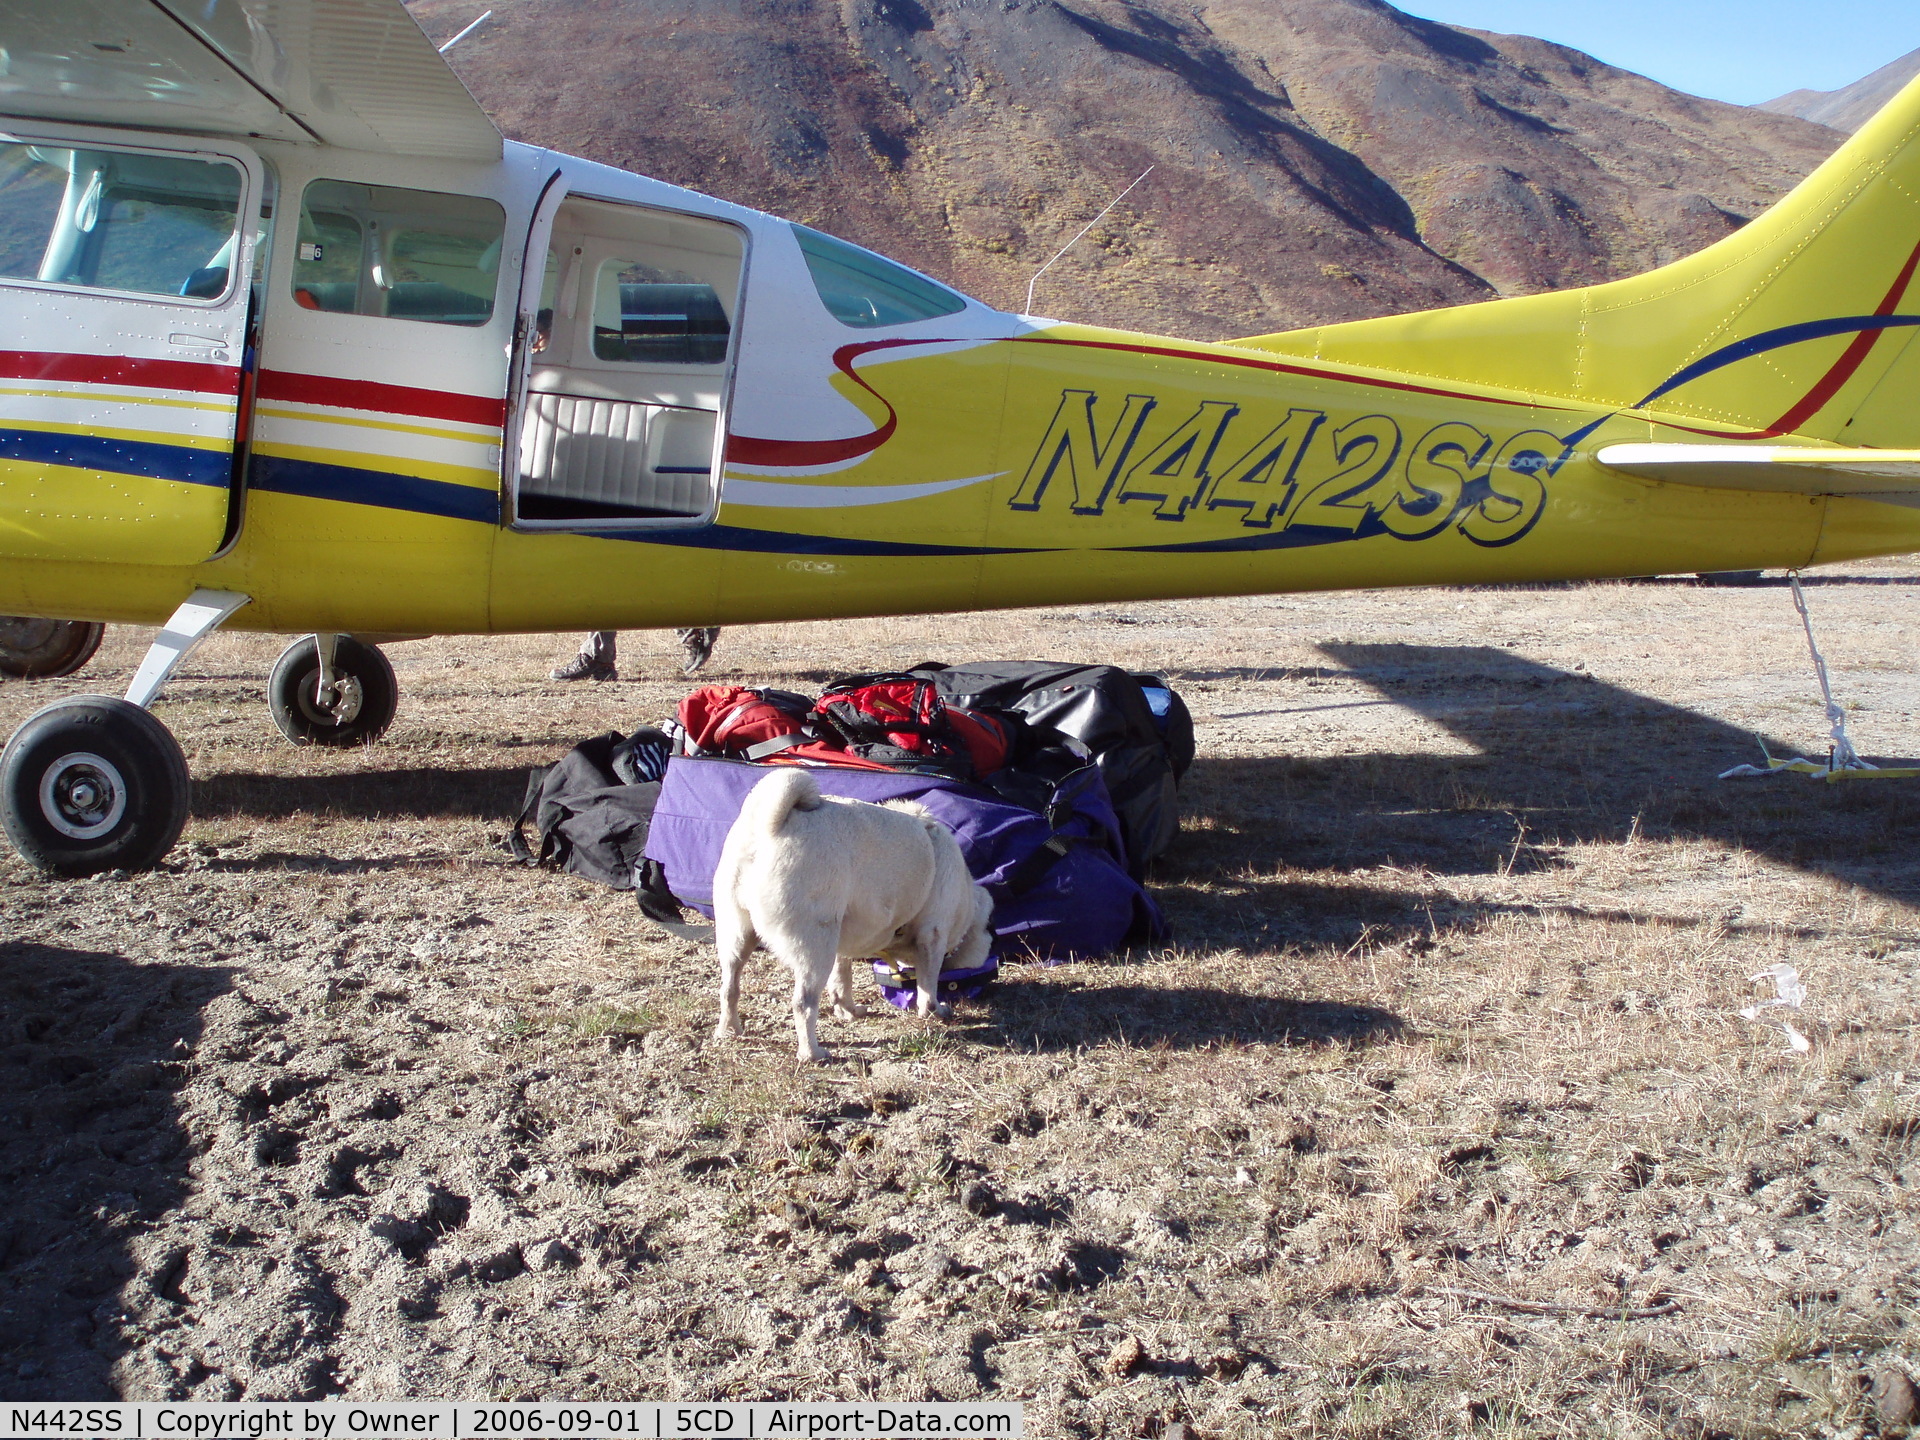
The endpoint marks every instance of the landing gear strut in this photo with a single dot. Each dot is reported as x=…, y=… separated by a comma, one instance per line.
x=46, y=649
x=332, y=690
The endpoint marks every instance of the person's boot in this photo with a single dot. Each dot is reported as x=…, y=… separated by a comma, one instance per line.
x=585, y=667
x=697, y=645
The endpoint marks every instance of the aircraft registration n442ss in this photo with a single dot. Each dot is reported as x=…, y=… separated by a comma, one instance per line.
x=295, y=342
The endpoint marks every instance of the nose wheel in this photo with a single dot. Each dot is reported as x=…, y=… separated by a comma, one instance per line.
x=349, y=700
x=33, y=649
x=92, y=784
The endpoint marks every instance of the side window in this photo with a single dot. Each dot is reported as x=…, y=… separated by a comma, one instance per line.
x=31, y=187
x=646, y=315
x=861, y=289
x=328, y=261
x=115, y=220
x=402, y=254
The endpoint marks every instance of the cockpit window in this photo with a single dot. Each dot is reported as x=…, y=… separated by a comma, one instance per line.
x=402, y=254
x=861, y=289
x=115, y=220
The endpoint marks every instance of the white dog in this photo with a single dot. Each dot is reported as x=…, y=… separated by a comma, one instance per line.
x=821, y=881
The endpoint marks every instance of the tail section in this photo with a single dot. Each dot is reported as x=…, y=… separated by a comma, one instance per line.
x=784, y=791
x=1802, y=323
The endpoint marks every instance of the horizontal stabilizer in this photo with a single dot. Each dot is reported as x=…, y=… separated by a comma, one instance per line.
x=1890, y=476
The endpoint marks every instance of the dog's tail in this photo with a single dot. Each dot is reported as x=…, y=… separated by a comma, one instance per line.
x=769, y=803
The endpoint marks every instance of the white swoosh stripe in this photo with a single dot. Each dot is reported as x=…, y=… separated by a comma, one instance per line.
x=830, y=497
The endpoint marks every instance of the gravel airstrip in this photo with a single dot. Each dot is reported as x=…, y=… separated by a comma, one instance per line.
x=1438, y=1115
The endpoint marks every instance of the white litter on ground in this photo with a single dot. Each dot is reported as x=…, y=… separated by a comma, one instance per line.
x=1789, y=991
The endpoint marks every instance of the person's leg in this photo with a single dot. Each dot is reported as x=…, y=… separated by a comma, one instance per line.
x=594, y=662
x=697, y=645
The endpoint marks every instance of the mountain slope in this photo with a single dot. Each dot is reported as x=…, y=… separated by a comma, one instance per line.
x=1851, y=106
x=1315, y=160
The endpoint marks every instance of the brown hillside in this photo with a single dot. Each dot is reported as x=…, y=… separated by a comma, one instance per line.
x=1851, y=106
x=1315, y=159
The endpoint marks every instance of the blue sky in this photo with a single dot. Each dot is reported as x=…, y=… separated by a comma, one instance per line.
x=1744, y=51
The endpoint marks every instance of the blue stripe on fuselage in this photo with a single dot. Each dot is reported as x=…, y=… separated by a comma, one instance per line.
x=781, y=542
x=148, y=459
x=1774, y=340
x=381, y=488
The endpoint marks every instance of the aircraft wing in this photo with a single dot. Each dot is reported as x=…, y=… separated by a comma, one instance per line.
x=1890, y=476
x=353, y=73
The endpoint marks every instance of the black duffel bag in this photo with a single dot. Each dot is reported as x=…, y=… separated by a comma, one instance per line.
x=1136, y=727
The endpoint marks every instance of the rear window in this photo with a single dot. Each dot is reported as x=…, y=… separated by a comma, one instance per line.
x=397, y=253
x=864, y=290
x=643, y=314
x=115, y=220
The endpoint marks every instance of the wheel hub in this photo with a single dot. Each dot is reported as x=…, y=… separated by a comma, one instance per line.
x=335, y=704
x=83, y=795
x=24, y=636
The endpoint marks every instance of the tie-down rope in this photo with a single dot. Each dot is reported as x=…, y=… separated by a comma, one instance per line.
x=1843, y=761
x=1840, y=753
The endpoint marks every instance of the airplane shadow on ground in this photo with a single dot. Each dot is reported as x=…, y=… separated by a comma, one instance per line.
x=1773, y=582
x=421, y=792
x=1563, y=759
x=92, y=1150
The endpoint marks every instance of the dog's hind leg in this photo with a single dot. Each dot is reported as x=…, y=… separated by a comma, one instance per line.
x=814, y=956
x=840, y=991
x=734, y=938
x=928, y=958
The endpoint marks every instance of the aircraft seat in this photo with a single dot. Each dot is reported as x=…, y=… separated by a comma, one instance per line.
x=587, y=458
x=336, y=296
x=430, y=300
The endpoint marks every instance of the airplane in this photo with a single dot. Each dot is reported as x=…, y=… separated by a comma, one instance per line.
x=297, y=343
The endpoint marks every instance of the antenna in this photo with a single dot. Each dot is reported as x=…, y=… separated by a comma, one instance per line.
x=1063, y=249
x=466, y=32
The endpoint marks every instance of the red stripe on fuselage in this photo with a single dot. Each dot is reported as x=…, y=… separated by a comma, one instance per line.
x=1281, y=367
x=1844, y=368
x=386, y=399
x=755, y=450
x=199, y=377
x=1828, y=385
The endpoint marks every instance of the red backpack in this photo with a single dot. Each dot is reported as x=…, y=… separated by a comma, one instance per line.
x=988, y=738
x=747, y=724
x=901, y=721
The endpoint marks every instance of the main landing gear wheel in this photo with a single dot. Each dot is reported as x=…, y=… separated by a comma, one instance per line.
x=92, y=784
x=46, y=649
x=354, y=709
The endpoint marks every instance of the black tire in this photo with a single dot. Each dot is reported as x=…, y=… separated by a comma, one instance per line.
x=33, y=649
x=90, y=784
x=368, y=695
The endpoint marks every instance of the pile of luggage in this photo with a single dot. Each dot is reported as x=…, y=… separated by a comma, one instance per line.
x=1058, y=781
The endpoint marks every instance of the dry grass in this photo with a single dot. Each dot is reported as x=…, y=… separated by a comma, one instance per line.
x=1463, y=922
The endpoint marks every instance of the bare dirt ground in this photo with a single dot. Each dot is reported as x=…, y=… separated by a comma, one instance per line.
x=339, y=1102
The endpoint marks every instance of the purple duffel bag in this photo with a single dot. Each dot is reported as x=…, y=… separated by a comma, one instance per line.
x=1059, y=891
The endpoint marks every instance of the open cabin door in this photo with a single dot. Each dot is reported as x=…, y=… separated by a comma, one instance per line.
x=125, y=277
x=628, y=323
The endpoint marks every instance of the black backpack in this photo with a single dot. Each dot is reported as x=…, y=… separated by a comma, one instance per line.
x=592, y=807
x=1136, y=728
